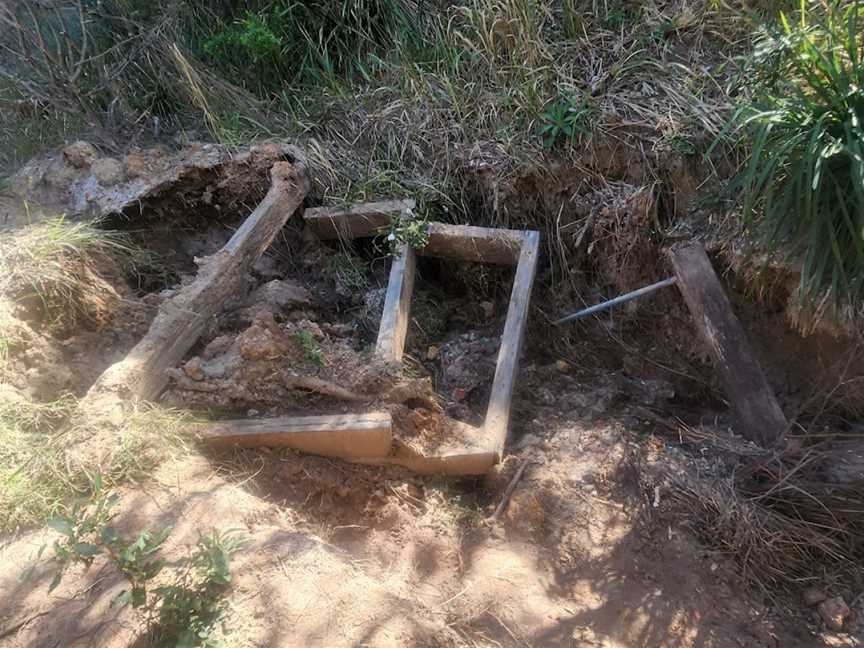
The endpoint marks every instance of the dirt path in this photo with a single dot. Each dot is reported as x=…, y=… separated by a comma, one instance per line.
x=342, y=555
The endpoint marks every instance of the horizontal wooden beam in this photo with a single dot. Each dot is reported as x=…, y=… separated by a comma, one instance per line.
x=349, y=436
x=463, y=242
x=359, y=221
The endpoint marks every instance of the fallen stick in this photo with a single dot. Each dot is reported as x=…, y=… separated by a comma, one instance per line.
x=180, y=321
x=508, y=493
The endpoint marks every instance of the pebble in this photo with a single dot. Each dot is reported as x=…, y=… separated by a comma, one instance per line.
x=834, y=612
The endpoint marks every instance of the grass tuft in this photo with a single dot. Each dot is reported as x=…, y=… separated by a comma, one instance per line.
x=54, y=267
x=803, y=185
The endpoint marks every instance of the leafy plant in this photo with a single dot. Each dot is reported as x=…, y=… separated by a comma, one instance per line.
x=181, y=612
x=309, y=346
x=803, y=185
x=409, y=230
x=565, y=119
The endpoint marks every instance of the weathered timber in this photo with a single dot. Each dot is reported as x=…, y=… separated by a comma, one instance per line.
x=498, y=412
x=750, y=396
x=359, y=221
x=180, y=321
x=349, y=436
x=397, y=305
x=464, y=242
x=469, y=243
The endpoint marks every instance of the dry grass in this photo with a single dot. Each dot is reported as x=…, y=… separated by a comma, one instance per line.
x=57, y=268
x=786, y=518
x=40, y=471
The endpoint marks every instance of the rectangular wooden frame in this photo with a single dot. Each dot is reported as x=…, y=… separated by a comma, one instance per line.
x=466, y=243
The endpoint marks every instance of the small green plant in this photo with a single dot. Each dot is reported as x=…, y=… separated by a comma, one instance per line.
x=803, y=185
x=409, y=230
x=309, y=346
x=181, y=612
x=565, y=119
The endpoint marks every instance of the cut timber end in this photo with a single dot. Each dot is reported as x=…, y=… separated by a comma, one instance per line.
x=180, y=320
x=752, y=399
x=397, y=305
x=351, y=436
x=498, y=413
x=359, y=221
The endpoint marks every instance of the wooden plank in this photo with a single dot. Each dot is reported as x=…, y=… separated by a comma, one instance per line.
x=478, y=244
x=358, y=221
x=464, y=242
x=349, y=436
x=498, y=413
x=397, y=304
x=752, y=399
x=141, y=375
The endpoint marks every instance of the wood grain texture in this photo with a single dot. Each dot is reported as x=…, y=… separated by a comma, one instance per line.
x=181, y=319
x=397, y=306
x=358, y=221
x=349, y=436
x=498, y=412
x=750, y=396
x=464, y=242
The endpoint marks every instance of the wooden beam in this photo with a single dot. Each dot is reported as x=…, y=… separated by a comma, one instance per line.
x=498, y=412
x=397, y=304
x=349, y=436
x=478, y=244
x=181, y=319
x=359, y=221
x=464, y=242
x=750, y=396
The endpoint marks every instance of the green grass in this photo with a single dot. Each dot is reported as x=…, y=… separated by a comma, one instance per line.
x=803, y=185
x=309, y=346
x=40, y=477
x=53, y=265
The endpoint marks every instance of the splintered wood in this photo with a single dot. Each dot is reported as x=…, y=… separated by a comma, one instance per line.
x=181, y=319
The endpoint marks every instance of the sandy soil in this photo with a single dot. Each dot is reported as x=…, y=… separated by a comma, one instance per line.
x=343, y=555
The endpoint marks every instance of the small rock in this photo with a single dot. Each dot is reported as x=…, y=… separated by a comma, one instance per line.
x=562, y=365
x=813, y=596
x=80, y=154
x=834, y=612
x=108, y=171
x=280, y=293
x=488, y=309
x=432, y=353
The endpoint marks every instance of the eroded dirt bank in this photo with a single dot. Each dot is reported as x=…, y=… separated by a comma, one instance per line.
x=614, y=415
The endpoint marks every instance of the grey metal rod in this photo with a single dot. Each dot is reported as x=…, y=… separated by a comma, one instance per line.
x=618, y=300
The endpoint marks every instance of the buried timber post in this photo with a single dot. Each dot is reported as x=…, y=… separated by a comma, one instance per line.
x=749, y=393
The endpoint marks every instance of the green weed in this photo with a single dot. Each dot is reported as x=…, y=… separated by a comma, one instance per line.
x=309, y=346
x=566, y=120
x=179, y=612
x=803, y=185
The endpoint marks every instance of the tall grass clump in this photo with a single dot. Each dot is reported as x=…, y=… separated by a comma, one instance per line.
x=54, y=268
x=803, y=185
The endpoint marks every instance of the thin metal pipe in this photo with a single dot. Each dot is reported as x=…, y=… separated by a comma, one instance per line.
x=618, y=300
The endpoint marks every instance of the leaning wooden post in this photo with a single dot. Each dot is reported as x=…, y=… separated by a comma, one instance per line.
x=181, y=319
x=750, y=396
